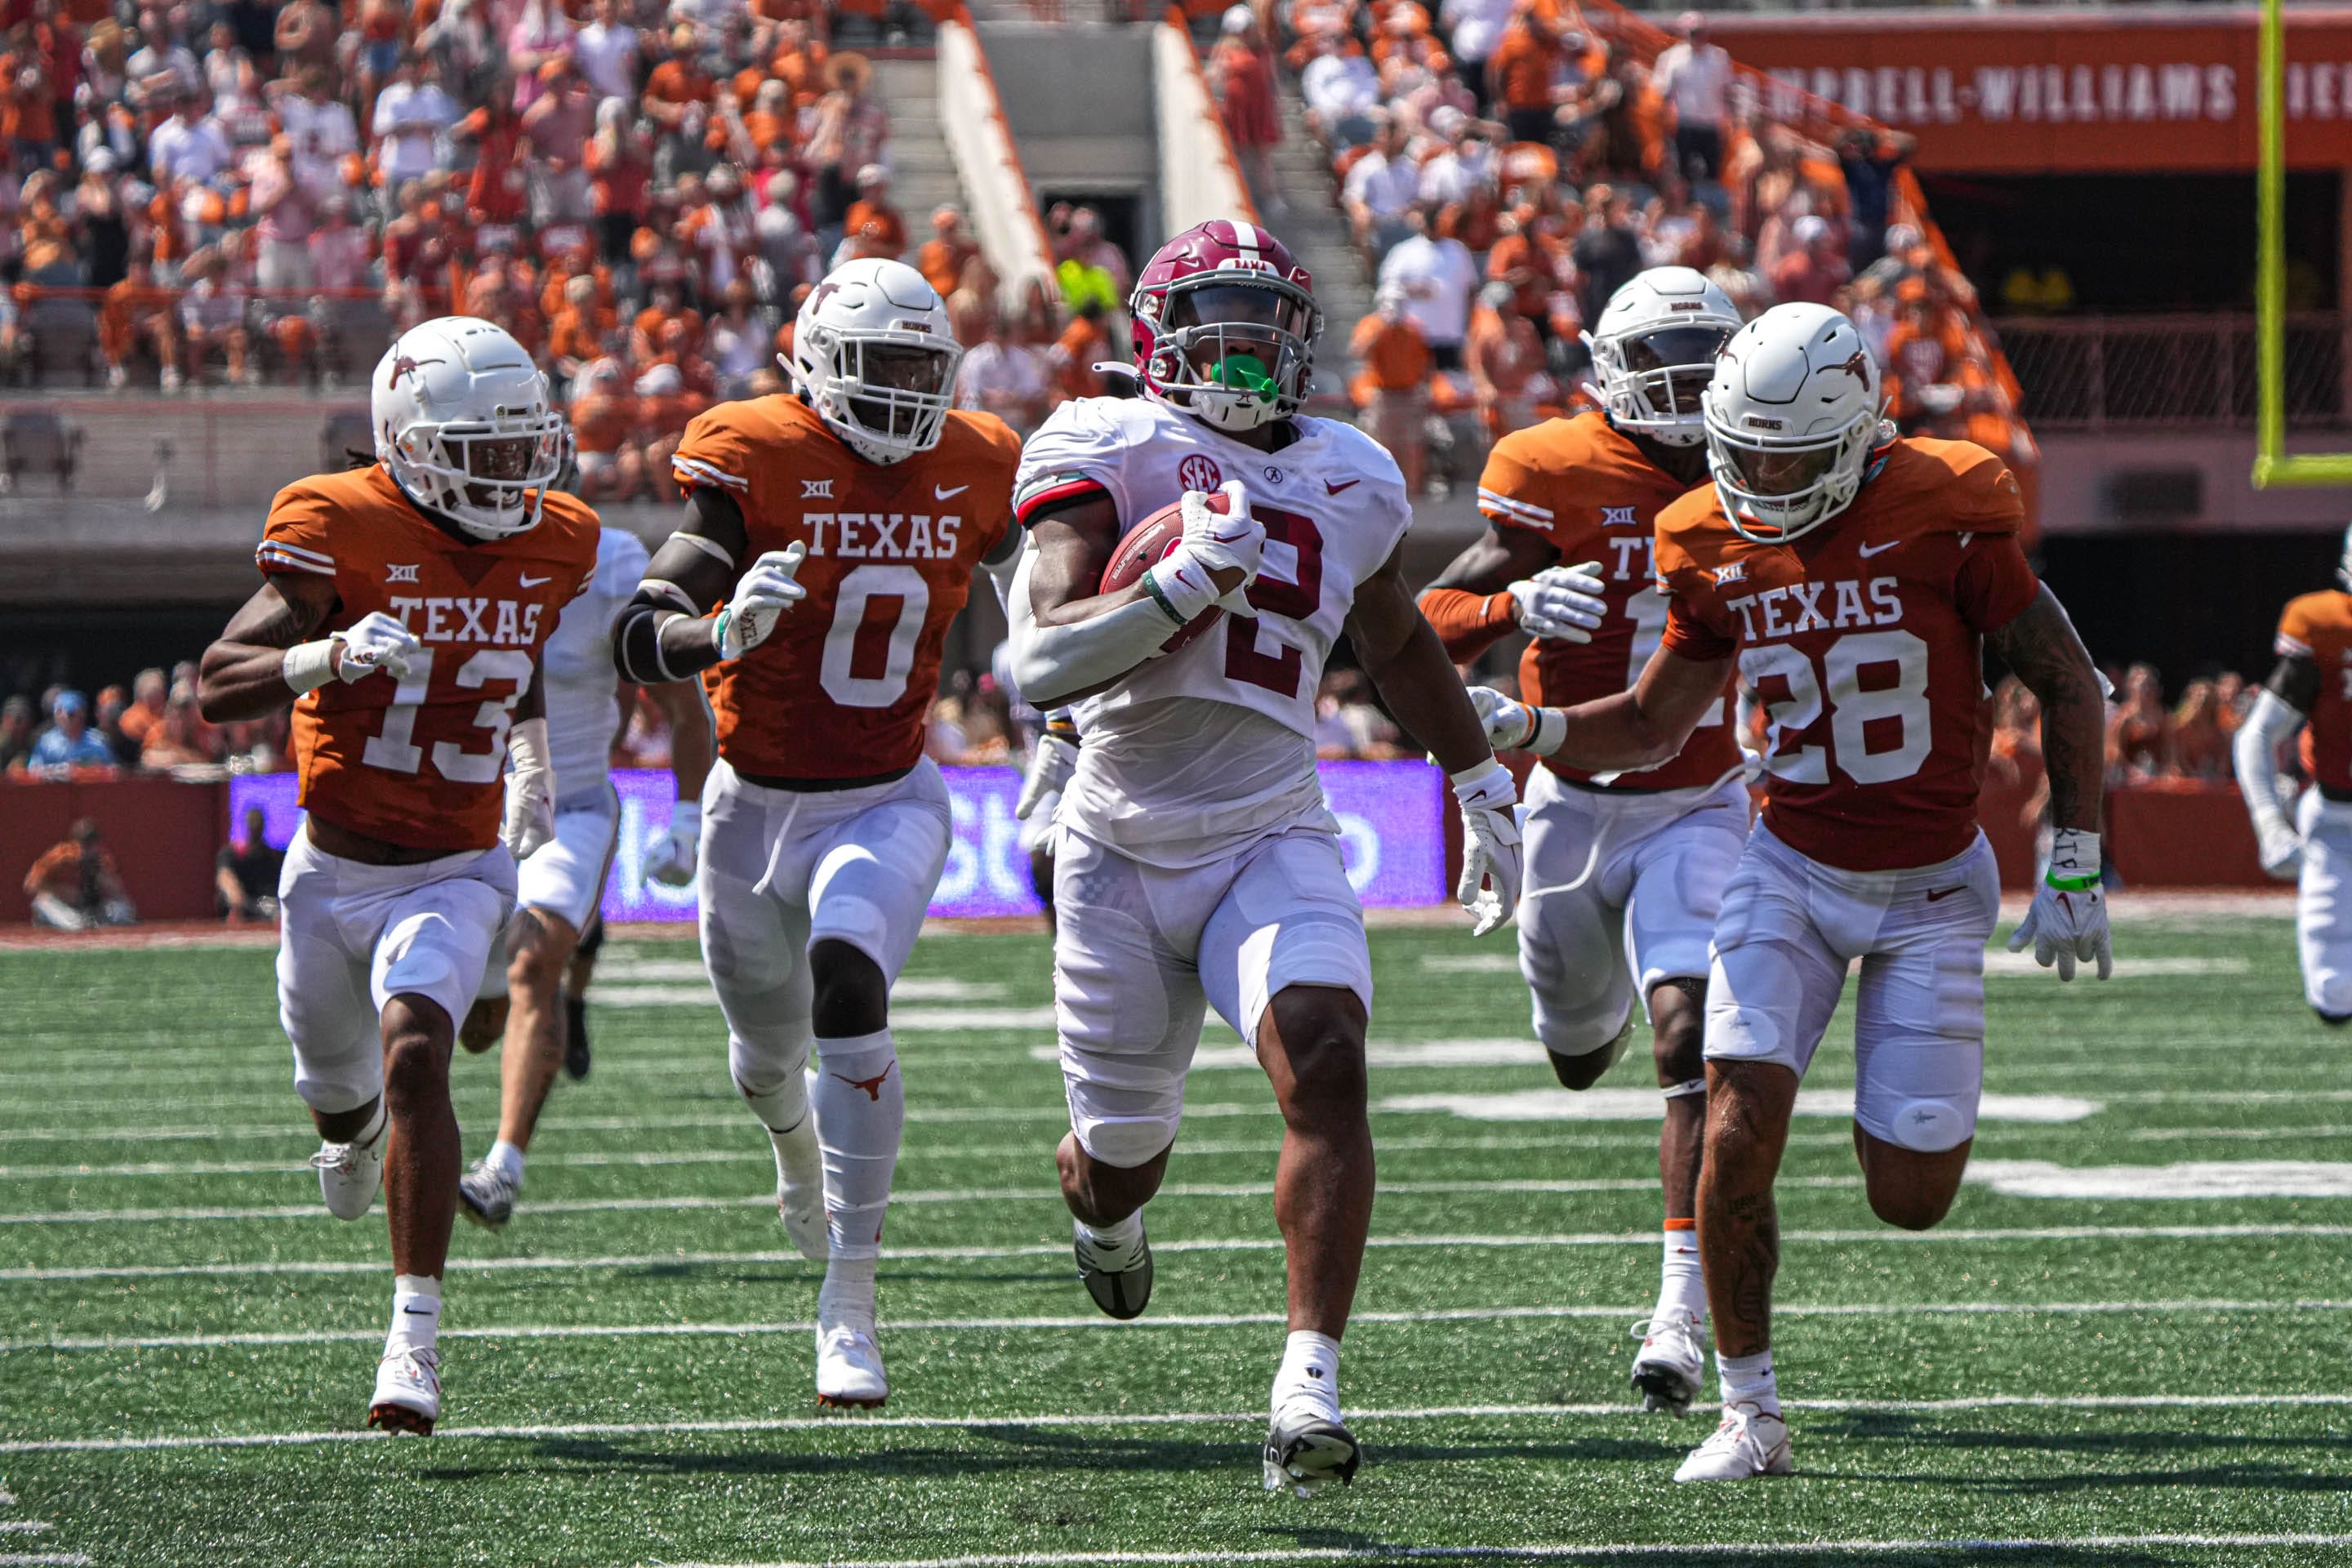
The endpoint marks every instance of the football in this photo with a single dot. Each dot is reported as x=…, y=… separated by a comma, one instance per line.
x=1147, y=542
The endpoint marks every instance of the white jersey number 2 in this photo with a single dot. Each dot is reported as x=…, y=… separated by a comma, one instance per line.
x=850, y=603
x=1296, y=599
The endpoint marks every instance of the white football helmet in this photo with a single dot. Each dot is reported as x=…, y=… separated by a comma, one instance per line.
x=464, y=424
x=1654, y=352
x=873, y=355
x=1792, y=416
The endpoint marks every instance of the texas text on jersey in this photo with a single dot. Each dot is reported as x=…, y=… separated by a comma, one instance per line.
x=1587, y=487
x=419, y=762
x=1862, y=640
x=2318, y=627
x=891, y=551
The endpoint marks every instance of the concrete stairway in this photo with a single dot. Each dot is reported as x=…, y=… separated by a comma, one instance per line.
x=923, y=175
x=1317, y=232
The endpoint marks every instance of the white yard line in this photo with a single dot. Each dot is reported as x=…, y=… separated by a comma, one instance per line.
x=1268, y=1243
x=43, y=1560
x=23, y=1526
x=1162, y=1321
x=1246, y=1419
x=943, y=1195
x=1711, y=1550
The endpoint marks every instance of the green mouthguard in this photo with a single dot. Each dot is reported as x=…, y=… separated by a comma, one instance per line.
x=1244, y=372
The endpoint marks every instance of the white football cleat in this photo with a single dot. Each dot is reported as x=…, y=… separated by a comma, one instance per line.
x=1749, y=1443
x=800, y=1189
x=1669, y=1370
x=407, y=1392
x=350, y=1173
x=487, y=1195
x=849, y=1367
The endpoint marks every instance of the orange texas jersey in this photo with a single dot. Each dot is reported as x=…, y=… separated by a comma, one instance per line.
x=1863, y=641
x=2318, y=627
x=843, y=686
x=1585, y=486
x=419, y=762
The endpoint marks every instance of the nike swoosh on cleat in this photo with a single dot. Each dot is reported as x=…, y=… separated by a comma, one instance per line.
x=535, y=582
x=1333, y=487
x=1867, y=551
x=940, y=493
x=1938, y=894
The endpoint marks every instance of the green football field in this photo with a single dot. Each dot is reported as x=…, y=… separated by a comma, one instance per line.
x=2127, y=1347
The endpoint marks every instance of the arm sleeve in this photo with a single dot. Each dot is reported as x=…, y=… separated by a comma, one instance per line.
x=1688, y=634
x=1073, y=454
x=1467, y=624
x=294, y=539
x=1994, y=584
x=2293, y=639
x=715, y=452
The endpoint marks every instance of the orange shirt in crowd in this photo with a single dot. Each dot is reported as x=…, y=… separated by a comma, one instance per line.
x=1521, y=70
x=893, y=228
x=942, y=263
x=1395, y=356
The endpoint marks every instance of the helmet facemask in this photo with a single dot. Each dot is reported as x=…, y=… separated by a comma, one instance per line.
x=1777, y=488
x=886, y=395
x=1652, y=379
x=486, y=476
x=1232, y=350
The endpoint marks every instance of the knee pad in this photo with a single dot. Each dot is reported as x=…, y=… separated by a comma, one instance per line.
x=1579, y=1037
x=1924, y=1126
x=766, y=1060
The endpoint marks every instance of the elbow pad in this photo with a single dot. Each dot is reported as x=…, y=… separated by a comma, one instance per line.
x=637, y=645
x=1049, y=662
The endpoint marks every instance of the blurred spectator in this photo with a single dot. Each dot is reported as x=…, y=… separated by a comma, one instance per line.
x=736, y=345
x=284, y=207
x=1814, y=271
x=1526, y=63
x=75, y=886
x=1241, y=70
x=212, y=318
x=1474, y=28
x=2138, y=728
x=871, y=218
x=319, y=129
x=112, y=704
x=1436, y=279
x=138, y=314
x=1868, y=158
x=997, y=376
x=183, y=740
x=69, y=742
x=1380, y=187
x=148, y=695
x=2200, y=735
x=190, y=145
x=1695, y=77
x=851, y=131
x=1094, y=251
x=607, y=51
x=1348, y=722
x=16, y=716
x=556, y=128
x=1607, y=254
x=1393, y=385
x=942, y=257
x=412, y=116
x=245, y=875
x=1341, y=90
x=1084, y=343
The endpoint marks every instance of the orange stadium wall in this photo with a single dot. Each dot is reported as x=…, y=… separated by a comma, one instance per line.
x=2069, y=93
x=163, y=835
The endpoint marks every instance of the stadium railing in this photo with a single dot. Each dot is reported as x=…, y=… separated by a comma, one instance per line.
x=2097, y=372
x=1005, y=212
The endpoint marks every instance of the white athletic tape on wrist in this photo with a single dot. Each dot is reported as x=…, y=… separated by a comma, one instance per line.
x=1484, y=786
x=308, y=666
x=1684, y=1089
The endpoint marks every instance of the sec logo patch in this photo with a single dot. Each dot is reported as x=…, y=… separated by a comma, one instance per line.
x=1199, y=472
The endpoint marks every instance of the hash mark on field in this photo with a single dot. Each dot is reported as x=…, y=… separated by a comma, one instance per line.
x=1246, y=1419
x=1162, y=1320
x=1646, y=1239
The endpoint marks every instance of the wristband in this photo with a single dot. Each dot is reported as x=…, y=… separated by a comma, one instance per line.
x=1550, y=730
x=308, y=666
x=717, y=631
x=1159, y=596
x=1181, y=585
x=2073, y=860
x=1062, y=728
x=1484, y=786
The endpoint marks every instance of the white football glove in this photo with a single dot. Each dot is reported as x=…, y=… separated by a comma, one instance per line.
x=671, y=862
x=1560, y=604
x=1050, y=767
x=1227, y=540
x=531, y=791
x=2280, y=849
x=375, y=641
x=2068, y=921
x=1489, y=889
x=762, y=596
x=1515, y=726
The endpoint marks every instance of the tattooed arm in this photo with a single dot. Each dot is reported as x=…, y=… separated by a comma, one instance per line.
x=243, y=675
x=2039, y=646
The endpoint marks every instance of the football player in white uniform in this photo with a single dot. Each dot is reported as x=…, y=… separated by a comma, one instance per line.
x=1197, y=863
x=558, y=890
x=1625, y=872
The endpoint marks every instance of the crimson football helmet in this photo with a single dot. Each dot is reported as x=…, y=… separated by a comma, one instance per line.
x=1225, y=322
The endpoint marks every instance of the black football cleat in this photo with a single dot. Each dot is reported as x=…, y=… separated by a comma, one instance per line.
x=575, y=1036
x=1120, y=1283
x=1304, y=1454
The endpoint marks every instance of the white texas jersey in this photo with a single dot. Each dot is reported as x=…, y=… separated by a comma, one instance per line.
x=1197, y=753
x=582, y=708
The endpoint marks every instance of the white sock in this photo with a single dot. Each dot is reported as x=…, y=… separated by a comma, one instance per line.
x=1120, y=1235
x=1747, y=1380
x=1682, y=1289
x=782, y=1108
x=415, y=1314
x=1309, y=1374
x=507, y=1160
x=861, y=1109
x=847, y=1294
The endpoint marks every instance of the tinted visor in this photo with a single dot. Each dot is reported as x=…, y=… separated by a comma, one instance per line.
x=1781, y=473
x=1237, y=305
x=1686, y=354
x=507, y=460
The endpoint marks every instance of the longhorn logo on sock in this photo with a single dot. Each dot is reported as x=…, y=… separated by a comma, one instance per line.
x=871, y=1086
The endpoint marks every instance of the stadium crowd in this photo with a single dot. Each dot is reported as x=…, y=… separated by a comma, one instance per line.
x=1506, y=164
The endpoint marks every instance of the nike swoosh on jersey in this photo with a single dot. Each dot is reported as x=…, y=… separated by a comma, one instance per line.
x=535, y=582
x=1867, y=551
x=942, y=493
x=1938, y=895
x=1333, y=487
